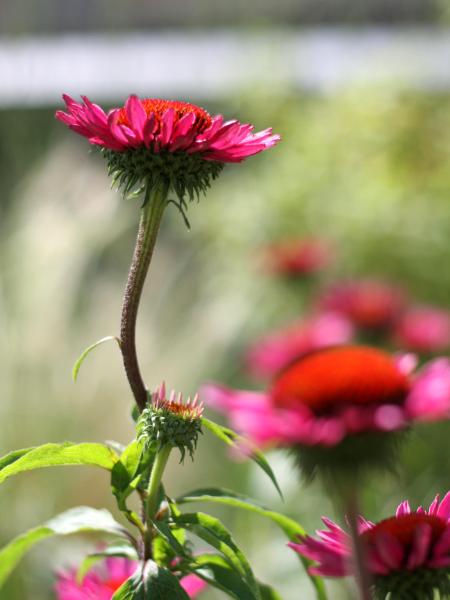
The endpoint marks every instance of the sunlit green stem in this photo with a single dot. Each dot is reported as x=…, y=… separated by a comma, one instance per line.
x=151, y=215
x=155, y=480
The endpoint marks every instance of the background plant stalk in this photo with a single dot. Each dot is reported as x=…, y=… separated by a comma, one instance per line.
x=151, y=215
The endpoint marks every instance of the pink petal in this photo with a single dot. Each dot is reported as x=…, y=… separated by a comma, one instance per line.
x=136, y=115
x=389, y=550
x=403, y=509
x=420, y=546
x=444, y=507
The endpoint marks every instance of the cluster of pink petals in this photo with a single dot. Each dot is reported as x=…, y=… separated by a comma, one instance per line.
x=224, y=141
x=423, y=329
x=256, y=416
x=298, y=256
x=272, y=353
x=101, y=582
x=369, y=303
x=427, y=544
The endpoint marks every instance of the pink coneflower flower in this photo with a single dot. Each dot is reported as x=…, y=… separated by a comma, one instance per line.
x=333, y=396
x=298, y=257
x=165, y=125
x=101, y=582
x=423, y=329
x=164, y=144
x=269, y=355
x=369, y=303
x=408, y=554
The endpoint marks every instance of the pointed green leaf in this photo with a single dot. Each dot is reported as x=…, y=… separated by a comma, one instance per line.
x=231, y=438
x=291, y=528
x=218, y=572
x=80, y=360
x=223, y=496
x=76, y=520
x=53, y=455
x=212, y=531
x=129, y=473
x=153, y=583
x=268, y=593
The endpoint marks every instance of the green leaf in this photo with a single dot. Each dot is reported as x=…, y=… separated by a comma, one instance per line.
x=212, y=531
x=231, y=438
x=76, y=520
x=222, y=496
x=124, y=550
x=80, y=360
x=132, y=589
x=217, y=571
x=53, y=455
x=268, y=593
x=153, y=583
x=291, y=528
x=128, y=473
x=172, y=540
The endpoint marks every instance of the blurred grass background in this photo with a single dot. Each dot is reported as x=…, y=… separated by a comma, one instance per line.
x=368, y=169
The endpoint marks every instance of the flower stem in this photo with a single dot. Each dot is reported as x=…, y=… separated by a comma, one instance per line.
x=362, y=575
x=155, y=480
x=151, y=215
x=152, y=505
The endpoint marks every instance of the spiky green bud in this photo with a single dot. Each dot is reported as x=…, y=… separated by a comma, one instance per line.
x=171, y=422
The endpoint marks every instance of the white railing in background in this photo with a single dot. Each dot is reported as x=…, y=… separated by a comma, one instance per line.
x=34, y=70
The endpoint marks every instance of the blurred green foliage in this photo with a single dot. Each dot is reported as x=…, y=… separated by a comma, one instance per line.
x=368, y=169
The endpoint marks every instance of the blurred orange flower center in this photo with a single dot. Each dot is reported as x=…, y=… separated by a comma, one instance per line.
x=336, y=377
x=404, y=527
x=158, y=107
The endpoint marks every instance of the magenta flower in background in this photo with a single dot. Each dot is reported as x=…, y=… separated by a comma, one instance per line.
x=408, y=553
x=423, y=329
x=101, y=582
x=272, y=353
x=332, y=394
x=369, y=303
x=429, y=399
x=298, y=257
x=165, y=125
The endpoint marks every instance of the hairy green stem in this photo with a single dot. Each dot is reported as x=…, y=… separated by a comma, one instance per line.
x=155, y=480
x=152, y=505
x=151, y=215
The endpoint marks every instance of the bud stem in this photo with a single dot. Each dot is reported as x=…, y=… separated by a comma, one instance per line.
x=151, y=215
x=155, y=480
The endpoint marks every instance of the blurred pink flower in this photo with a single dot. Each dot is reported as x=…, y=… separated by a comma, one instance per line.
x=429, y=399
x=165, y=125
x=423, y=329
x=272, y=353
x=298, y=257
x=101, y=582
x=369, y=303
x=330, y=394
x=403, y=544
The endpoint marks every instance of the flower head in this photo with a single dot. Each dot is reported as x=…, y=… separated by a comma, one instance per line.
x=339, y=406
x=172, y=144
x=171, y=421
x=423, y=329
x=298, y=257
x=269, y=355
x=369, y=303
x=407, y=554
x=102, y=581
